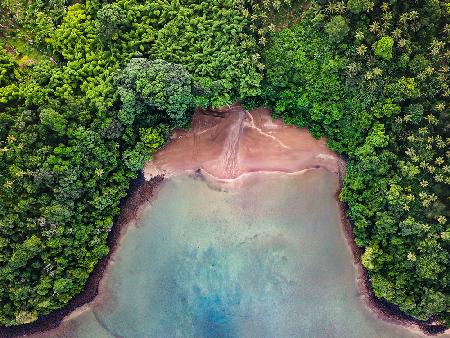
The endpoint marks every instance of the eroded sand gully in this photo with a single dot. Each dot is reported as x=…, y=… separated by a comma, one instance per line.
x=240, y=142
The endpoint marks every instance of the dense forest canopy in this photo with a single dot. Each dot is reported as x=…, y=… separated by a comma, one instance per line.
x=88, y=91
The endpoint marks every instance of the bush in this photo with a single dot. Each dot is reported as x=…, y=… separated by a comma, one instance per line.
x=158, y=88
x=337, y=29
x=383, y=48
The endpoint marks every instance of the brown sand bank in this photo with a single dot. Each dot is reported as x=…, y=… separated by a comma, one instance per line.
x=240, y=142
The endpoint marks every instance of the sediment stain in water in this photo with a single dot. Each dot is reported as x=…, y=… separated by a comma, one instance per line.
x=264, y=257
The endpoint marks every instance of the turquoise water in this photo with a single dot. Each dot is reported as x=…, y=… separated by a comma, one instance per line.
x=266, y=258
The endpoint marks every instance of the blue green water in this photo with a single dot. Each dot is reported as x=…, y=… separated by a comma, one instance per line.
x=266, y=258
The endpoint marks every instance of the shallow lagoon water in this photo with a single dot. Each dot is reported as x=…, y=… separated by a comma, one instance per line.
x=264, y=258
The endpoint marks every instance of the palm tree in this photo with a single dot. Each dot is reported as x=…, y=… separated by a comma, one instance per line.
x=374, y=27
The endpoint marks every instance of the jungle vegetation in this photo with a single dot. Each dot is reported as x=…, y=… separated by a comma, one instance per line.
x=88, y=91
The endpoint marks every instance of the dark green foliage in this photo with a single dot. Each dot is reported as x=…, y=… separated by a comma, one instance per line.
x=155, y=88
x=110, y=18
x=337, y=29
x=74, y=129
x=53, y=120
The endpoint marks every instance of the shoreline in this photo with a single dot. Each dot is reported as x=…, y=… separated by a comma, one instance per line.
x=140, y=192
x=255, y=126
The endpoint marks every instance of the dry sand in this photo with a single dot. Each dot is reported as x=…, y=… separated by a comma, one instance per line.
x=240, y=142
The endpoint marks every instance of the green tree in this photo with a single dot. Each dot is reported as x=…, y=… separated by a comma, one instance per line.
x=358, y=6
x=337, y=29
x=383, y=48
x=158, y=88
x=53, y=120
x=110, y=18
